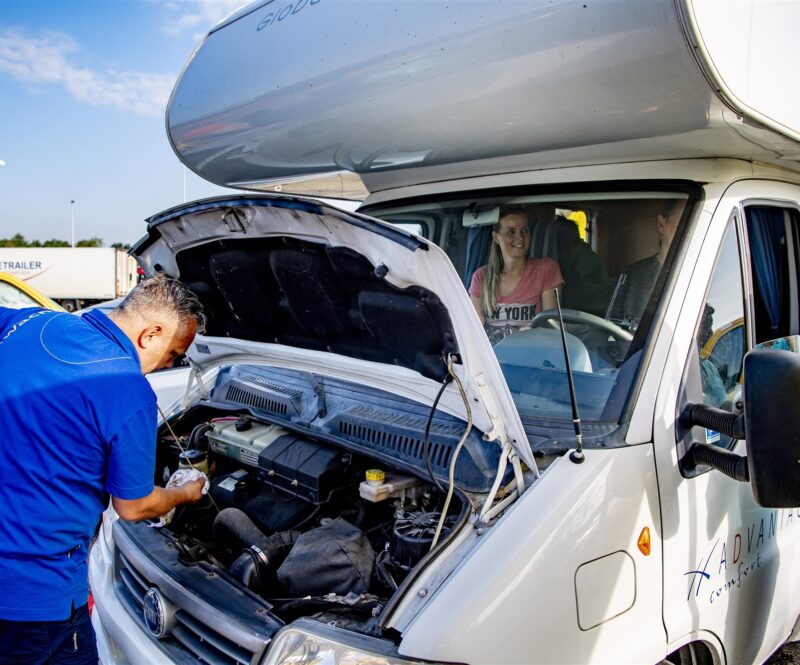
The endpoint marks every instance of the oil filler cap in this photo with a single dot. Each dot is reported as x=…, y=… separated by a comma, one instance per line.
x=375, y=476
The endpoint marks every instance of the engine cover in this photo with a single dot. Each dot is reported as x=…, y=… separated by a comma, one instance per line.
x=304, y=468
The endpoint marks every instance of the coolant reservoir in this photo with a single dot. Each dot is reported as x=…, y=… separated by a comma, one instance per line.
x=193, y=459
x=245, y=445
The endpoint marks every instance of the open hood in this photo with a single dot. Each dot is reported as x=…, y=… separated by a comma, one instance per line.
x=298, y=284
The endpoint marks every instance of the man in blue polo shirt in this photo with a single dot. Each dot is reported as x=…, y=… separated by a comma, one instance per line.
x=79, y=424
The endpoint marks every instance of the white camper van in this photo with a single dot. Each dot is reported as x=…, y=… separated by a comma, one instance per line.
x=611, y=481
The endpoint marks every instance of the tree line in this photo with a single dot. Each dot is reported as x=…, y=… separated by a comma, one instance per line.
x=18, y=240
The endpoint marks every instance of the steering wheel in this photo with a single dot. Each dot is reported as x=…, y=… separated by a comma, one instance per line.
x=550, y=317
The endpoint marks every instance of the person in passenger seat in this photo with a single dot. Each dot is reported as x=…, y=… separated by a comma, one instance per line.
x=587, y=286
x=636, y=283
x=513, y=287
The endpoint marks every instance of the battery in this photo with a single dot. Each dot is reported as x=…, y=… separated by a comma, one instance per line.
x=232, y=489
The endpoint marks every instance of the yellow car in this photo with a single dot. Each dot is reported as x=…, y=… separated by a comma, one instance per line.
x=17, y=294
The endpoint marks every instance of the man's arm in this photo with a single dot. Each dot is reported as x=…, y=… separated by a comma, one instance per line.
x=158, y=502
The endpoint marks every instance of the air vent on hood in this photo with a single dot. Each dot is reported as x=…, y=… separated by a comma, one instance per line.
x=400, y=437
x=409, y=448
x=264, y=396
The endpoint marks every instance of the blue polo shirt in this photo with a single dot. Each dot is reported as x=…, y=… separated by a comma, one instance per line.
x=79, y=424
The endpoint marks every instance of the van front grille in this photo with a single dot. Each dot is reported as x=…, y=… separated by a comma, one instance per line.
x=191, y=639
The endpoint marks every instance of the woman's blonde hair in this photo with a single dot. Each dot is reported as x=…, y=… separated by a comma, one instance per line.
x=495, y=265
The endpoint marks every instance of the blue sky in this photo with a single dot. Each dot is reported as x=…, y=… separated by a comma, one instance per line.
x=83, y=91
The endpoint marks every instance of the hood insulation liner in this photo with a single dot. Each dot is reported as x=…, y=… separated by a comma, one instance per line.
x=313, y=296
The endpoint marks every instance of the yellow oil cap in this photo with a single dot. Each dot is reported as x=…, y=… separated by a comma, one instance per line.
x=375, y=476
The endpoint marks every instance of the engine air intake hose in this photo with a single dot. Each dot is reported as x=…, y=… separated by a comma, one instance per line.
x=234, y=523
x=256, y=565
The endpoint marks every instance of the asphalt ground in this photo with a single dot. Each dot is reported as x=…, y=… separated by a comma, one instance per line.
x=788, y=655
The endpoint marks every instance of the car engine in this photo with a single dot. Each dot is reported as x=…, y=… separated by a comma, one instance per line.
x=309, y=527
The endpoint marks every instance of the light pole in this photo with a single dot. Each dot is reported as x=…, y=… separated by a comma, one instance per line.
x=72, y=220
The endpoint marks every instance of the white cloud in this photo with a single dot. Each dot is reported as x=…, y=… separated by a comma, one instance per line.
x=197, y=16
x=51, y=58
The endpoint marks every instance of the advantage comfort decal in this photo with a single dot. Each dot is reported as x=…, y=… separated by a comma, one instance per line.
x=729, y=564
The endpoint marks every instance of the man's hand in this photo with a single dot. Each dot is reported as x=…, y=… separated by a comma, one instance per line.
x=194, y=489
x=158, y=502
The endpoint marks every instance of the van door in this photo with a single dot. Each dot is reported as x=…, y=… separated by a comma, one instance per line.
x=727, y=562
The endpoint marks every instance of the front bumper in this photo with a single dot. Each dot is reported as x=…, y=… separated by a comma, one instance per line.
x=120, y=640
x=203, y=615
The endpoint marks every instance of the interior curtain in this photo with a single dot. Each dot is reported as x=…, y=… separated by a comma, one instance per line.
x=765, y=228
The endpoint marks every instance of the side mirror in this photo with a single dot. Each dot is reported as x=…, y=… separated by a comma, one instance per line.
x=772, y=423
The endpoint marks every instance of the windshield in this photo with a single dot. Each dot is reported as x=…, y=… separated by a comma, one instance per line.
x=600, y=252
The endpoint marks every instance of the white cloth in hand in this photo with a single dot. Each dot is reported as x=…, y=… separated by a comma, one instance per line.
x=177, y=479
x=183, y=476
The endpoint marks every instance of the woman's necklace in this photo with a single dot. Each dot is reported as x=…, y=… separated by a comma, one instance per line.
x=509, y=282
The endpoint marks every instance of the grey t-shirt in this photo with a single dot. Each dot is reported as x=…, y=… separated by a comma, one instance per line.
x=634, y=291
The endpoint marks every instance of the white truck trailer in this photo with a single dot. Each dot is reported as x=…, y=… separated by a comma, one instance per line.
x=74, y=277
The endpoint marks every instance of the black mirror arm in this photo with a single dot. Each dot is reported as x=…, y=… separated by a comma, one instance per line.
x=730, y=424
x=732, y=465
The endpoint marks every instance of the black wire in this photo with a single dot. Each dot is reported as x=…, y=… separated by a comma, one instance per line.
x=426, y=443
x=306, y=519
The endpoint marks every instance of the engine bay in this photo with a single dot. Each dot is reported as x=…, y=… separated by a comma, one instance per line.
x=311, y=528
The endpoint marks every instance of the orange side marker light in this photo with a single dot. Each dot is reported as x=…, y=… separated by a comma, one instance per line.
x=644, y=541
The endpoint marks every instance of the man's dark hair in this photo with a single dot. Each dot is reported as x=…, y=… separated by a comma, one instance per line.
x=567, y=230
x=672, y=206
x=168, y=294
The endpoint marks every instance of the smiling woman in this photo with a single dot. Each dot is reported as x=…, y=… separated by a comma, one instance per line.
x=513, y=287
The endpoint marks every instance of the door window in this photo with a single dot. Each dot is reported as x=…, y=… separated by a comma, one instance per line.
x=11, y=296
x=720, y=333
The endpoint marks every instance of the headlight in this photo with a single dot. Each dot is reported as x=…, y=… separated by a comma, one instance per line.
x=310, y=643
